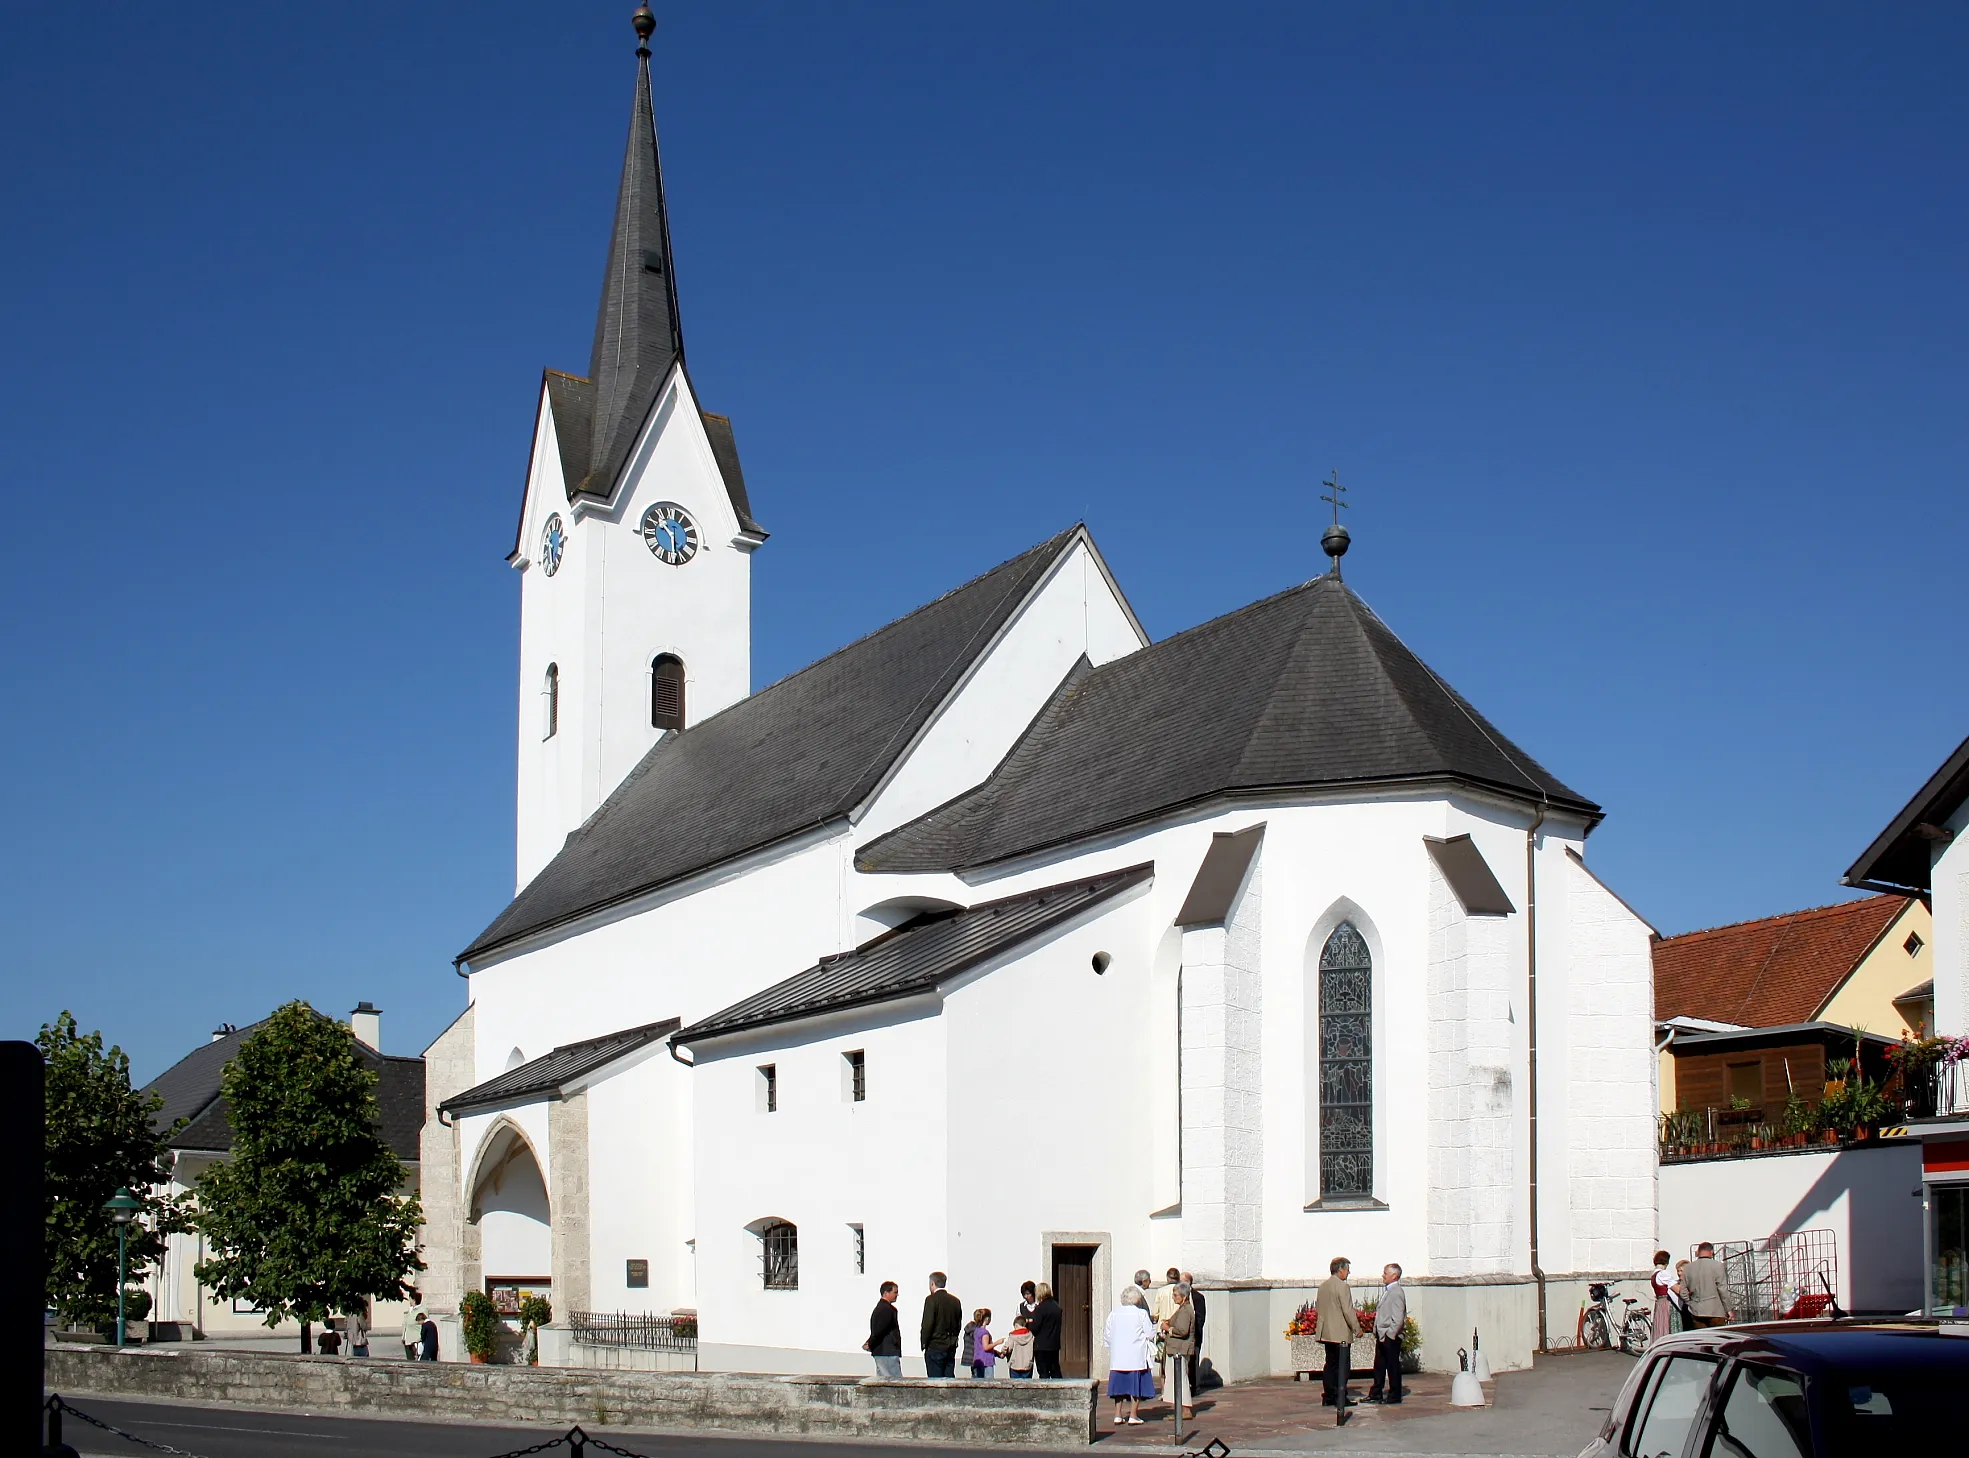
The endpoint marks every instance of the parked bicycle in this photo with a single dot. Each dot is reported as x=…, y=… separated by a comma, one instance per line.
x=1627, y=1326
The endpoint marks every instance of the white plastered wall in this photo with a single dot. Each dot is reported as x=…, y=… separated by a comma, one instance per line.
x=1950, y=880
x=611, y=608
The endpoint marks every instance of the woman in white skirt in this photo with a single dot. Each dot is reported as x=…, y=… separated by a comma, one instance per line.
x=1131, y=1349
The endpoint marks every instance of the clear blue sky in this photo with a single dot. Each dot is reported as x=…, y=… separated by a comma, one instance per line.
x=1640, y=337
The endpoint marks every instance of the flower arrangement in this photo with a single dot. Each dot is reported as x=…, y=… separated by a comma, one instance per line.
x=479, y=1319
x=1955, y=1050
x=1305, y=1321
x=534, y=1313
x=1411, y=1333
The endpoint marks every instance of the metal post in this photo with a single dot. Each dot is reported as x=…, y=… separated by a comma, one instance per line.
x=122, y=1246
x=1176, y=1396
x=23, y=1230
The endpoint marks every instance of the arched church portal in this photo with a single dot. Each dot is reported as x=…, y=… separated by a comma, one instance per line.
x=509, y=1205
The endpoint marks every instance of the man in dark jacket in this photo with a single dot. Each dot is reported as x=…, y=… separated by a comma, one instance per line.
x=427, y=1338
x=884, y=1342
x=1045, y=1329
x=1196, y=1337
x=943, y=1319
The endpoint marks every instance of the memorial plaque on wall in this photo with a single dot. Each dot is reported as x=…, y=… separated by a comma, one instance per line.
x=638, y=1274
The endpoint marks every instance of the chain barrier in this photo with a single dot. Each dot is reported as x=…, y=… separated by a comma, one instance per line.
x=1215, y=1448
x=56, y=1408
x=577, y=1441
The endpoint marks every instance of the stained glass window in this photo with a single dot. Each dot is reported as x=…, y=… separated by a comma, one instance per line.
x=1346, y=1065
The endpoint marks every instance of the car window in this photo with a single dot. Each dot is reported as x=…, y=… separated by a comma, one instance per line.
x=1763, y=1417
x=1918, y=1406
x=1668, y=1408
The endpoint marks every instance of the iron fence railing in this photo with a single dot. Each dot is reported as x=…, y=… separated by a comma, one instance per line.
x=641, y=1330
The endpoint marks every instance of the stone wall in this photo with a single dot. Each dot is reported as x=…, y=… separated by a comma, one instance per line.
x=1027, y=1414
x=449, y=1240
x=567, y=1142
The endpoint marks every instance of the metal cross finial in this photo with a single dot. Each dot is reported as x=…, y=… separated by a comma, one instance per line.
x=1335, y=493
x=1334, y=540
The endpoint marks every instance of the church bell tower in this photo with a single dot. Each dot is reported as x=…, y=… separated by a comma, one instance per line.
x=635, y=542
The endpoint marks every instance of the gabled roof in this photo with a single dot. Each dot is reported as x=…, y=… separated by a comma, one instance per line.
x=1901, y=856
x=550, y=1073
x=798, y=754
x=918, y=955
x=190, y=1090
x=1772, y=971
x=1306, y=688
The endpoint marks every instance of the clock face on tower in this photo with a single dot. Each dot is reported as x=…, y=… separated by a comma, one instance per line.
x=553, y=541
x=670, y=532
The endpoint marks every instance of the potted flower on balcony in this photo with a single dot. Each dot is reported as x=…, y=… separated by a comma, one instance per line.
x=478, y=1320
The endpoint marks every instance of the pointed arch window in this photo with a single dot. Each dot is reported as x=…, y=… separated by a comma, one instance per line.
x=666, y=691
x=1346, y=1066
x=550, y=702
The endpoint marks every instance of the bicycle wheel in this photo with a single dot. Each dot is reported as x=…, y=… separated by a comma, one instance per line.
x=1596, y=1331
x=1634, y=1338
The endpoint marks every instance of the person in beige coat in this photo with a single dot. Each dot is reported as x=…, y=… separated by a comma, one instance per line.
x=1336, y=1325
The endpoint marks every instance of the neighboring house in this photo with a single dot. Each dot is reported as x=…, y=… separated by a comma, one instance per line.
x=190, y=1090
x=1824, y=973
x=1922, y=852
x=1005, y=941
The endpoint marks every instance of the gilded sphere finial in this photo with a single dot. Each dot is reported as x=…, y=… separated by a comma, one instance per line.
x=644, y=22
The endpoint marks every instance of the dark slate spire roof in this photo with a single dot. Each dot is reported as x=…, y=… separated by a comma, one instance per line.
x=1307, y=688
x=918, y=955
x=638, y=335
x=798, y=754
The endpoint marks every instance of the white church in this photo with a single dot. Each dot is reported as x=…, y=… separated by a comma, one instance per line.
x=1007, y=942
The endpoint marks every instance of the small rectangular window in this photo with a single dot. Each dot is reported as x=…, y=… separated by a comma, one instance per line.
x=854, y=1076
x=1747, y=1083
x=861, y=1250
x=768, y=1088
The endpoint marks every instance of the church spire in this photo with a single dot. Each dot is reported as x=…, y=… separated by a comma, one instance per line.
x=637, y=332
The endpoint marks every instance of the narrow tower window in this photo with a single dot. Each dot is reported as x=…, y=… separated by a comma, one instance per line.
x=666, y=692
x=1346, y=1068
x=854, y=1076
x=550, y=702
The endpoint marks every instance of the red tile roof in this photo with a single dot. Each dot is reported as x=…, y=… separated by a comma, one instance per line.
x=1769, y=972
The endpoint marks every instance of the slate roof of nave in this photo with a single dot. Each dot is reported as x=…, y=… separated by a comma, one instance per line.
x=190, y=1090
x=920, y=954
x=1307, y=688
x=797, y=754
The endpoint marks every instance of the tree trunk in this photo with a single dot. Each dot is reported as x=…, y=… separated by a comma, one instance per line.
x=307, y=1338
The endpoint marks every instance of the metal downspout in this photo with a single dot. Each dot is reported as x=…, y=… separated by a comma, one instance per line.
x=1531, y=1044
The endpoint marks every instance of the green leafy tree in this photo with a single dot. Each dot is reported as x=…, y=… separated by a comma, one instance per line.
x=306, y=1218
x=100, y=1139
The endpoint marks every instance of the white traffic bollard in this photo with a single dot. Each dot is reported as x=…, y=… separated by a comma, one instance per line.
x=1464, y=1389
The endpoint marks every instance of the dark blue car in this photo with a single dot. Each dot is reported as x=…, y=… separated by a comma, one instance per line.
x=1796, y=1389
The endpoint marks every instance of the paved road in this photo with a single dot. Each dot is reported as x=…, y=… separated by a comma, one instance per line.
x=234, y=1433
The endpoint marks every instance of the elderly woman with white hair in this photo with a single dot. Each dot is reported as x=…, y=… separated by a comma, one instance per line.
x=1131, y=1349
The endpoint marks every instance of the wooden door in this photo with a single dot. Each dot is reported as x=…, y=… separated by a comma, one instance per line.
x=1073, y=1287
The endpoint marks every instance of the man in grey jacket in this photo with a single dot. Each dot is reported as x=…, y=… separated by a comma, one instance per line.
x=1388, y=1318
x=1703, y=1288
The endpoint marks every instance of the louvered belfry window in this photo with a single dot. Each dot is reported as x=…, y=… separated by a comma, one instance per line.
x=550, y=694
x=666, y=695
x=1346, y=1066
x=781, y=1242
